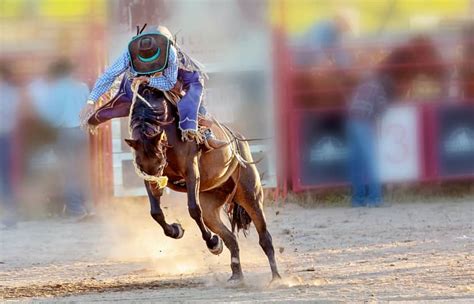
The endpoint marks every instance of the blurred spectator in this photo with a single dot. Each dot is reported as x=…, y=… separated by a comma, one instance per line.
x=59, y=99
x=39, y=91
x=9, y=103
x=323, y=45
x=392, y=79
x=366, y=106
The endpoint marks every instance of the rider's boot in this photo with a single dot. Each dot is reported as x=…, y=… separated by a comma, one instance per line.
x=211, y=142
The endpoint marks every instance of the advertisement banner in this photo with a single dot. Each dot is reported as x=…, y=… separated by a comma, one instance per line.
x=321, y=151
x=320, y=154
x=455, y=144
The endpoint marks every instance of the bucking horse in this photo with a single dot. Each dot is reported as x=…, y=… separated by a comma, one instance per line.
x=212, y=179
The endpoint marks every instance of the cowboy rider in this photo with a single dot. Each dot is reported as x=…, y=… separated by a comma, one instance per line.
x=144, y=61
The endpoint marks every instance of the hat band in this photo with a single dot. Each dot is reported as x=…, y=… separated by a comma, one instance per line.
x=154, y=57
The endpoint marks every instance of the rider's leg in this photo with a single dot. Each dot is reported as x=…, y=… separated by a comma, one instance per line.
x=117, y=106
x=191, y=105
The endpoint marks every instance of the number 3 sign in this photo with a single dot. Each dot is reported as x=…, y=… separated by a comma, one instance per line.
x=399, y=144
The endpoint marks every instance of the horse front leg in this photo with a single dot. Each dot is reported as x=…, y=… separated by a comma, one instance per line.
x=175, y=230
x=214, y=243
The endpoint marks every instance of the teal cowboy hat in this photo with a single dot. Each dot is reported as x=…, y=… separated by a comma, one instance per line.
x=149, y=52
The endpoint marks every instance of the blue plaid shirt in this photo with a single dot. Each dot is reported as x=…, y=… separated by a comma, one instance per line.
x=371, y=98
x=165, y=82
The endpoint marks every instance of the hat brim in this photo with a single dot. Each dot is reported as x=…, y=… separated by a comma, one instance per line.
x=147, y=66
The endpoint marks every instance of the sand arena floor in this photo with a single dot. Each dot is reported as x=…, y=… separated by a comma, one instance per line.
x=406, y=252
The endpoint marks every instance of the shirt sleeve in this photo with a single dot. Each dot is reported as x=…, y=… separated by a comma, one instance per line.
x=105, y=81
x=167, y=80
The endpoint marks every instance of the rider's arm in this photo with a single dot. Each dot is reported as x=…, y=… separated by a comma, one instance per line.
x=167, y=80
x=105, y=81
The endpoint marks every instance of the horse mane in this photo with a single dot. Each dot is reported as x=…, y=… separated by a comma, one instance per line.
x=146, y=122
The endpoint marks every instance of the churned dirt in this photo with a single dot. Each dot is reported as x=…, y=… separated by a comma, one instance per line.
x=406, y=252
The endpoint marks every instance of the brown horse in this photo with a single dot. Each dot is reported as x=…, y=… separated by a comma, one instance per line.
x=210, y=178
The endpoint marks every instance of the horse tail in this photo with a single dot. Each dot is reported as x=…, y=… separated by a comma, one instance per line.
x=239, y=218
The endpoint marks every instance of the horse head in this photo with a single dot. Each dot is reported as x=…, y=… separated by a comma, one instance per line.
x=148, y=137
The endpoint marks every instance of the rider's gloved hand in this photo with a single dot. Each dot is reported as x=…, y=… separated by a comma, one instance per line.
x=140, y=80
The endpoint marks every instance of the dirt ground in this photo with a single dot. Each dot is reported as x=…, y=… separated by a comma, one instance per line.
x=406, y=252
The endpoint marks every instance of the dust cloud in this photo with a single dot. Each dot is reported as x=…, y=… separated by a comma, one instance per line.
x=135, y=237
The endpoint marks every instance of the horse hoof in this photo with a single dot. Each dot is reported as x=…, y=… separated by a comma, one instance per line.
x=236, y=279
x=179, y=229
x=217, y=249
x=276, y=280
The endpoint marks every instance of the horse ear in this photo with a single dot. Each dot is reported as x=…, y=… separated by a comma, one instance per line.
x=133, y=143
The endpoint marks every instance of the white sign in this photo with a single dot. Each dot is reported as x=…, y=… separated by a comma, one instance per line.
x=399, y=145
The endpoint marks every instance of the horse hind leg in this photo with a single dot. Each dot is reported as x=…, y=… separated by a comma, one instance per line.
x=250, y=196
x=211, y=215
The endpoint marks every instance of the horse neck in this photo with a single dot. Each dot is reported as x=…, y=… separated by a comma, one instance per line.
x=170, y=109
x=164, y=104
x=160, y=104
